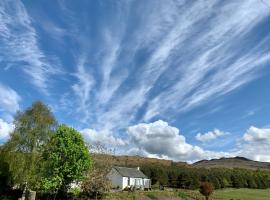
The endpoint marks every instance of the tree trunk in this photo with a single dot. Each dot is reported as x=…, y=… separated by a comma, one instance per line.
x=206, y=197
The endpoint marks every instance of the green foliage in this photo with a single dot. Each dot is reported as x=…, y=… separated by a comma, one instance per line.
x=66, y=159
x=190, y=178
x=33, y=128
x=5, y=175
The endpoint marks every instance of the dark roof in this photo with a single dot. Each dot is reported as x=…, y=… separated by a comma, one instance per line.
x=130, y=172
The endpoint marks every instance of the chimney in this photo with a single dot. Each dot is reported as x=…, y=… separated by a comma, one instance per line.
x=138, y=168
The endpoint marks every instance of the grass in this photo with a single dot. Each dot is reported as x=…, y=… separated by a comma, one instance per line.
x=242, y=194
x=226, y=194
x=151, y=196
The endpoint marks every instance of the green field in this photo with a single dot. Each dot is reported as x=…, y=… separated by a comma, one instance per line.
x=226, y=194
x=243, y=194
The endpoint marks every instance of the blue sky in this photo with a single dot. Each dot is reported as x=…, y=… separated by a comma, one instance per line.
x=182, y=80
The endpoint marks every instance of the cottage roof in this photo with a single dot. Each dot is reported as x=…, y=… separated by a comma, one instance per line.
x=130, y=172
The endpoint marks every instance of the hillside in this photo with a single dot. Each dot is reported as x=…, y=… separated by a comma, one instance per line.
x=236, y=162
x=136, y=161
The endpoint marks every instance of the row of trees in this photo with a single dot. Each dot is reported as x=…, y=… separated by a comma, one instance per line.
x=43, y=156
x=190, y=178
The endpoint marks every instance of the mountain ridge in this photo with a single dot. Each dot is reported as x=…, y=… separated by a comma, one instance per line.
x=224, y=162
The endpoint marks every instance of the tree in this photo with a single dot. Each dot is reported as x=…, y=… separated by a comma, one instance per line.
x=33, y=128
x=97, y=183
x=206, y=189
x=66, y=160
x=5, y=182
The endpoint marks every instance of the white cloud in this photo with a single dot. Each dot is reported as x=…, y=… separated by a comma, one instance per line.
x=19, y=44
x=103, y=136
x=158, y=139
x=5, y=129
x=255, y=144
x=254, y=134
x=9, y=99
x=211, y=135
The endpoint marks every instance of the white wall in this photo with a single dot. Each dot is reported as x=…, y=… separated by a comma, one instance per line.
x=147, y=183
x=125, y=182
x=136, y=182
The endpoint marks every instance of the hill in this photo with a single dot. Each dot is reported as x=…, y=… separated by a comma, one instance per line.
x=136, y=160
x=236, y=162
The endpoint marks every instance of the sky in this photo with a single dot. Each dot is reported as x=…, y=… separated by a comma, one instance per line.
x=181, y=80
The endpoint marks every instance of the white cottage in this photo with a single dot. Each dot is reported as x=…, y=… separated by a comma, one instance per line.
x=122, y=177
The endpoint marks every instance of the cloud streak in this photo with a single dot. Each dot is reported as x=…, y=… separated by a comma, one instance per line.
x=19, y=45
x=217, y=67
x=187, y=63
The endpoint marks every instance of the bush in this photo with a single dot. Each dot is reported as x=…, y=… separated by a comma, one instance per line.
x=206, y=189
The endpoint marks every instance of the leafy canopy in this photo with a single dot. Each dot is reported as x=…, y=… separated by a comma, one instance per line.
x=33, y=128
x=66, y=159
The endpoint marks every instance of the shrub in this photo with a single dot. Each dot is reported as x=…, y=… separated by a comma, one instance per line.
x=206, y=189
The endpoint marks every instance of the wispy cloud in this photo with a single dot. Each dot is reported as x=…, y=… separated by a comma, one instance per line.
x=84, y=85
x=174, y=57
x=217, y=65
x=19, y=44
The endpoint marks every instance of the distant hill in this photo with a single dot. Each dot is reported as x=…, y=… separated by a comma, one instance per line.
x=137, y=161
x=236, y=162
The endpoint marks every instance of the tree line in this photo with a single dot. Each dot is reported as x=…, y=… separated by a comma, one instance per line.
x=191, y=178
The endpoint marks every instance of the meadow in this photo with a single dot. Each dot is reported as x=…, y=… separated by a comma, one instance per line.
x=243, y=194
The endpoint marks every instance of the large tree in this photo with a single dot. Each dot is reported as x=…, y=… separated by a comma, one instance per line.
x=33, y=128
x=66, y=159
